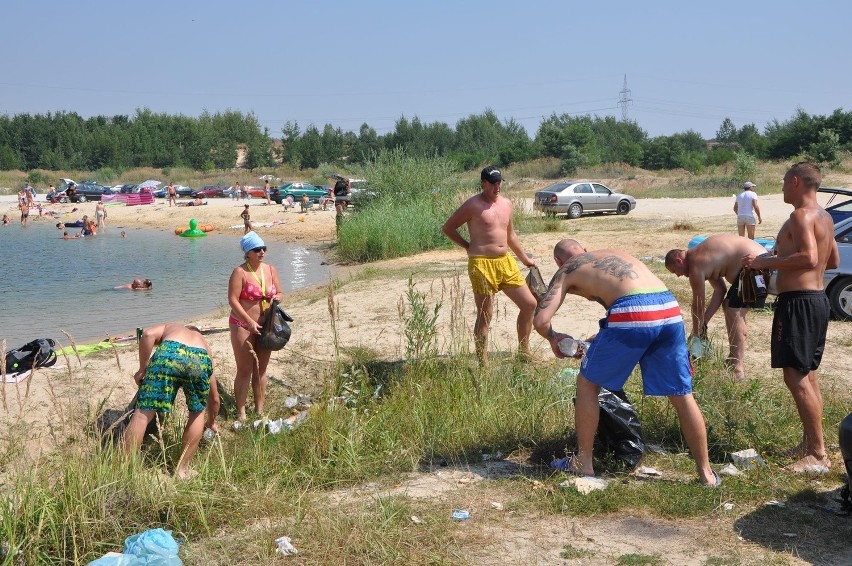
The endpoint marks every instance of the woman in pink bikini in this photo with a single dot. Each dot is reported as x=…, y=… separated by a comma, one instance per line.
x=252, y=287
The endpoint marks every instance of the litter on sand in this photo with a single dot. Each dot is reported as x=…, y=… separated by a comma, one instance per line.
x=284, y=546
x=747, y=459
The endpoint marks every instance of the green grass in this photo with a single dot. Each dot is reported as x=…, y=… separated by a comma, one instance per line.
x=436, y=408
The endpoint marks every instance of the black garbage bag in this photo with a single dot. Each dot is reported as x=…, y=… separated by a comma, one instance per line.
x=619, y=431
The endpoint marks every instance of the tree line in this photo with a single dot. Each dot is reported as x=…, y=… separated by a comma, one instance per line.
x=66, y=141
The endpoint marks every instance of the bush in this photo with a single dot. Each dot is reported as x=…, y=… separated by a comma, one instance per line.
x=744, y=166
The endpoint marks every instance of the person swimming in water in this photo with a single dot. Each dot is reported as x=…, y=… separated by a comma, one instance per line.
x=137, y=285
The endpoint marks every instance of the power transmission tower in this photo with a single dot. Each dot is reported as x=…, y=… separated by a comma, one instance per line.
x=624, y=99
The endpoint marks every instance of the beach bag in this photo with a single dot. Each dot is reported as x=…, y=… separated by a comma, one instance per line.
x=39, y=353
x=275, y=332
x=536, y=283
x=619, y=430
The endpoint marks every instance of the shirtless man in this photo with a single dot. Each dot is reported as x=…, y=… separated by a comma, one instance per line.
x=100, y=215
x=172, y=356
x=488, y=216
x=643, y=326
x=805, y=248
x=716, y=259
x=171, y=192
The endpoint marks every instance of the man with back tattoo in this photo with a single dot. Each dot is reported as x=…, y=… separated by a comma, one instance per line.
x=805, y=248
x=644, y=326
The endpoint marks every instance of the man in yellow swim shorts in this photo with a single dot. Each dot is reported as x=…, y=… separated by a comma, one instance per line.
x=488, y=216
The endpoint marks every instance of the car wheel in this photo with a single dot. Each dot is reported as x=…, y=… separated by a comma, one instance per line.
x=81, y=198
x=575, y=210
x=623, y=207
x=840, y=298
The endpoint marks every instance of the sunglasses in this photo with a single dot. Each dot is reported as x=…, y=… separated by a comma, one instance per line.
x=258, y=250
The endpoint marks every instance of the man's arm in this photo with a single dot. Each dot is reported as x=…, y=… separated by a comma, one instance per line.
x=696, y=283
x=833, y=256
x=719, y=290
x=150, y=338
x=454, y=222
x=547, y=307
x=736, y=207
x=757, y=211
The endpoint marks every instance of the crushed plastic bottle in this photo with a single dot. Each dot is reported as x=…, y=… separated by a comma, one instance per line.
x=572, y=348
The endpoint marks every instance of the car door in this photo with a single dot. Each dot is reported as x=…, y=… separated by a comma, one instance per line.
x=604, y=198
x=586, y=196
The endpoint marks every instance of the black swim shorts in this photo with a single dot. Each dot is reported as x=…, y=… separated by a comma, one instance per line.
x=799, y=329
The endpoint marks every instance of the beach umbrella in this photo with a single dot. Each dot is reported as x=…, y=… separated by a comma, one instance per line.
x=149, y=184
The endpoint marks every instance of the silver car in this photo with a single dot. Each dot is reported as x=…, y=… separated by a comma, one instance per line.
x=576, y=198
x=838, y=282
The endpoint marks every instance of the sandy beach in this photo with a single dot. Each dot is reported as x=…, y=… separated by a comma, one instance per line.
x=55, y=403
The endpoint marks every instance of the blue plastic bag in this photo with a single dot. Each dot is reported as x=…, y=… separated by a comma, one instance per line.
x=154, y=547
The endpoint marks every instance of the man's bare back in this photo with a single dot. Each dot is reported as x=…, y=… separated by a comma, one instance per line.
x=603, y=276
x=721, y=256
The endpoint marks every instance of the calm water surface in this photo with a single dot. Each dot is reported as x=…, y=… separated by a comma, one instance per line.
x=49, y=284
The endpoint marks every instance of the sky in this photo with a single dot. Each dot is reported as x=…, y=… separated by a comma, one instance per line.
x=688, y=65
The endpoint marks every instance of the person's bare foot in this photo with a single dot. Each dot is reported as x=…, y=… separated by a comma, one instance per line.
x=797, y=451
x=811, y=465
x=186, y=474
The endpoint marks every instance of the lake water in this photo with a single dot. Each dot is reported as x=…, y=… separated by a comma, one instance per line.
x=50, y=284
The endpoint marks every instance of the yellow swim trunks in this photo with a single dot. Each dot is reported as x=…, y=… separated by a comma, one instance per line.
x=488, y=275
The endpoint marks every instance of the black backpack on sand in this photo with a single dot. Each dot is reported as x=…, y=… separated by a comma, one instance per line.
x=39, y=353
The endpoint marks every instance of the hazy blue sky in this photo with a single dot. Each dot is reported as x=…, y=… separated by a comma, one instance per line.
x=688, y=64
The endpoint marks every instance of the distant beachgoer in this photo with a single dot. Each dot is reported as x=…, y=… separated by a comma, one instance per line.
x=306, y=202
x=100, y=214
x=172, y=193
x=251, y=288
x=25, y=212
x=6, y=220
x=288, y=202
x=66, y=236
x=137, y=285
x=237, y=191
x=172, y=357
x=29, y=192
x=123, y=234
x=266, y=190
x=51, y=195
x=746, y=208
x=246, y=220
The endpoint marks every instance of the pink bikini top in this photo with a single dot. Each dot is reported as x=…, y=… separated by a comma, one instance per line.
x=252, y=292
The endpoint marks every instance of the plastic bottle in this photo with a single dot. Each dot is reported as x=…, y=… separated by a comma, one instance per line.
x=760, y=285
x=572, y=348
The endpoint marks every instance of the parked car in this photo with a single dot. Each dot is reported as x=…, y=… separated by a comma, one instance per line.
x=209, y=191
x=256, y=192
x=180, y=191
x=838, y=282
x=576, y=198
x=838, y=210
x=88, y=190
x=296, y=190
x=128, y=189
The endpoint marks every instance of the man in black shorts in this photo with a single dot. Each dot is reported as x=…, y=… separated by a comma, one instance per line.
x=805, y=248
x=718, y=259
